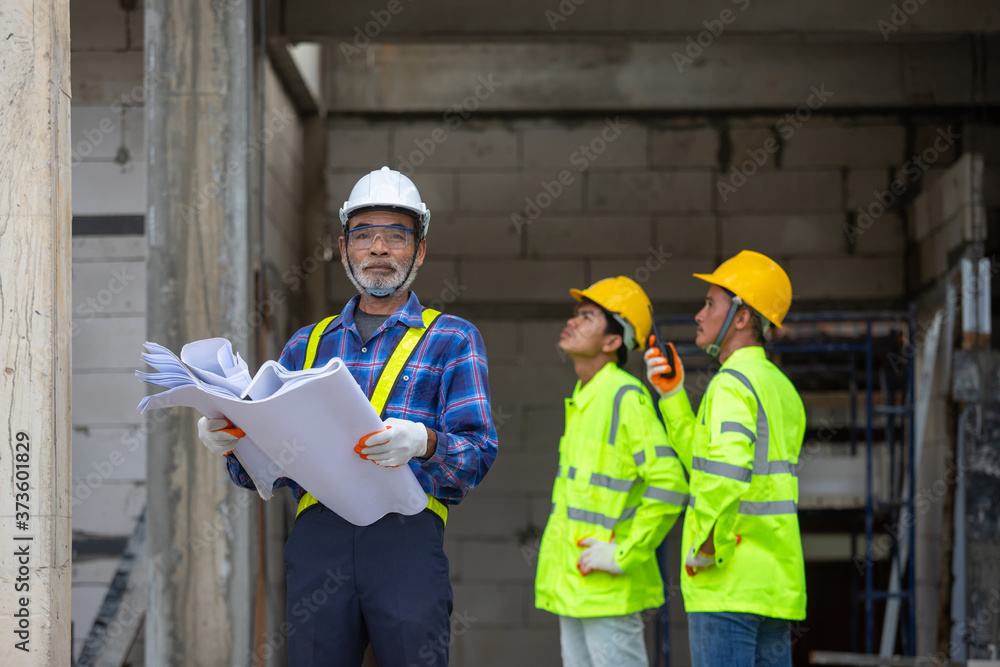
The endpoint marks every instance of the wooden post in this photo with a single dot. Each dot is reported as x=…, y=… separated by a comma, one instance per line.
x=35, y=304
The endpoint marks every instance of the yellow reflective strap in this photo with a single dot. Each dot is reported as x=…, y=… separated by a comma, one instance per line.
x=305, y=502
x=398, y=359
x=312, y=347
x=386, y=382
x=433, y=504
x=438, y=507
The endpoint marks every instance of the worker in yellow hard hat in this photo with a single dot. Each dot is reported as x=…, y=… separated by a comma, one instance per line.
x=618, y=490
x=743, y=577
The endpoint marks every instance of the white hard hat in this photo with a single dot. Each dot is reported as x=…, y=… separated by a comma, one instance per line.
x=388, y=190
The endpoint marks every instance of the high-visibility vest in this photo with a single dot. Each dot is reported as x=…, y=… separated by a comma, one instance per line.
x=618, y=477
x=743, y=451
x=383, y=388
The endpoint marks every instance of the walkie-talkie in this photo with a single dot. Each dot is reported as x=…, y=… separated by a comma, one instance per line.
x=666, y=350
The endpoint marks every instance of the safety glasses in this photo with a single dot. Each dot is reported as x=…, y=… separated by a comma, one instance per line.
x=394, y=238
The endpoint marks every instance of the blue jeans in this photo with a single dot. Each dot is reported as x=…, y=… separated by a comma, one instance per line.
x=735, y=639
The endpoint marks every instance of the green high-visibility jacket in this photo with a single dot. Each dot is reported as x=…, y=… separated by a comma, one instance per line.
x=742, y=449
x=617, y=476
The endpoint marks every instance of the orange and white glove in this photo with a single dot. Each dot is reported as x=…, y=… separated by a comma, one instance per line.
x=666, y=374
x=398, y=443
x=698, y=560
x=598, y=555
x=219, y=435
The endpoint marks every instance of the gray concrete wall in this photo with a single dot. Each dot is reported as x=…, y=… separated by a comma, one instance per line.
x=109, y=283
x=109, y=296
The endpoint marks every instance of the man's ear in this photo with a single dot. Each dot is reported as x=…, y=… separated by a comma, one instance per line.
x=612, y=342
x=742, y=320
x=342, y=242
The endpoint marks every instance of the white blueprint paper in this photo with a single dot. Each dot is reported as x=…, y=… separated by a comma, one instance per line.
x=299, y=424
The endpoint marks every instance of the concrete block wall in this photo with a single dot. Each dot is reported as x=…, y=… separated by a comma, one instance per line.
x=109, y=295
x=109, y=448
x=700, y=189
x=525, y=208
x=109, y=280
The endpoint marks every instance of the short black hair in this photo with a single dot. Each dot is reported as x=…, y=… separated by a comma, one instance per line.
x=615, y=328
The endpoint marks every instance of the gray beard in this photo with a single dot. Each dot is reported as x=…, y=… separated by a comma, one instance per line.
x=363, y=283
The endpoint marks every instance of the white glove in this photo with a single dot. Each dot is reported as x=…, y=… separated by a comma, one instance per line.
x=598, y=555
x=400, y=442
x=697, y=560
x=218, y=442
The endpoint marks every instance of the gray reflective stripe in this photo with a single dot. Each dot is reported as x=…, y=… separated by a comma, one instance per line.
x=767, y=507
x=691, y=500
x=663, y=451
x=763, y=430
x=614, y=411
x=736, y=427
x=558, y=472
x=640, y=458
x=666, y=496
x=599, y=519
x=761, y=466
x=613, y=483
x=721, y=469
x=572, y=472
x=779, y=467
x=553, y=510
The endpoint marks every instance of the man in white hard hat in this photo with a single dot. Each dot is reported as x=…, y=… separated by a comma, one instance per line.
x=425, y=373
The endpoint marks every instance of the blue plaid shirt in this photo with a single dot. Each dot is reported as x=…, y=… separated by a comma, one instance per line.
x=443, y=386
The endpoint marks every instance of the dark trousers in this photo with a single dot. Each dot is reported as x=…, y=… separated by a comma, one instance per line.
x=349, y=585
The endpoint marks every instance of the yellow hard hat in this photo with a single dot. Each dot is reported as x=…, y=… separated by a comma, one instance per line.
x=758, y=280
x=624, y=299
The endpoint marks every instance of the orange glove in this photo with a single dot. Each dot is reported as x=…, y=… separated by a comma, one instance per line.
x=664, y=368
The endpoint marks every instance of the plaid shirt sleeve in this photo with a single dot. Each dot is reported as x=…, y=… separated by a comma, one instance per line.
x=466, y=437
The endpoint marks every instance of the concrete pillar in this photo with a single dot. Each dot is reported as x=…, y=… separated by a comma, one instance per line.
x=35, y=305
x=200, y=161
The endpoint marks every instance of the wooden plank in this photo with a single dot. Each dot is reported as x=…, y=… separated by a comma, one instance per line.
x=35, y=246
